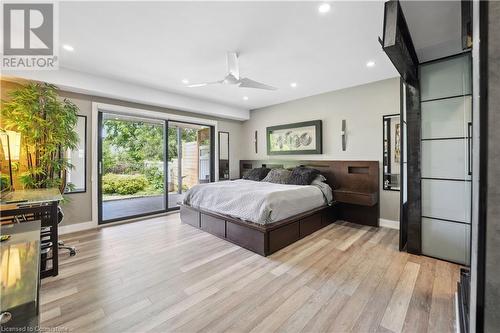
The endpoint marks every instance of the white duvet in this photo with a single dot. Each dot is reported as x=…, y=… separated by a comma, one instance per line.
x=259, y=202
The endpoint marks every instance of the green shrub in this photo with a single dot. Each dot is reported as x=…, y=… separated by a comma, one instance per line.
x=155, y=177
x=123, y=184
x=4, y=181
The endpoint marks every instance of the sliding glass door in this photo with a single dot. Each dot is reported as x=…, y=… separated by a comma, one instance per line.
x=190, y=159
x=131, y=167
x=146, y=165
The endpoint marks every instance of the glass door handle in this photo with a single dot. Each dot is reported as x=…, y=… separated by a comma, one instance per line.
x=469, y=148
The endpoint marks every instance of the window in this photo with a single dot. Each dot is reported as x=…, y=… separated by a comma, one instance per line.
x=78, y=158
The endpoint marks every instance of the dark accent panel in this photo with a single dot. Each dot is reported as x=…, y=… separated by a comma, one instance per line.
x=413, y=119
x=366, y=215
x=310, y=224
x=483, y=165
x=403, y=226
x=403, y=209
x=492, y=180
x=190, y=216
x=397, y=43
x=213, y=225
x=284, y=236
x=251, y=239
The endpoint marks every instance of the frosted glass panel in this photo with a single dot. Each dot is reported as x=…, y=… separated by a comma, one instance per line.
x=446, y=199
x=445, y=159
x=446, y=118
x=446, y=240
x=446, y=78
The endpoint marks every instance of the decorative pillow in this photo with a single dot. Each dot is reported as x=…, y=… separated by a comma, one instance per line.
x=303, y=176
x=319, y=179
x=278, y=176
x=257, y=174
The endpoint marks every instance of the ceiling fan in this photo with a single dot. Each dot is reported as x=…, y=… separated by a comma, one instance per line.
x=233, y=77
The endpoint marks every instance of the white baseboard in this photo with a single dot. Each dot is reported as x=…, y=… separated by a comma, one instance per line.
x=388, y=223
x=67, y=229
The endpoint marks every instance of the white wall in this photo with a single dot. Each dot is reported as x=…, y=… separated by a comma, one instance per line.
x=362, y=107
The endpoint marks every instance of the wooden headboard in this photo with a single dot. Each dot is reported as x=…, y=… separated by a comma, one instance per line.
x=362, y=176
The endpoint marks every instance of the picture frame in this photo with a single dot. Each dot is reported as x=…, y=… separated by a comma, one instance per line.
x=304, y=138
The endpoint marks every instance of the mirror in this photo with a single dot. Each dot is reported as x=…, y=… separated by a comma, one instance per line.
x=223, y=156
x=392, y=152
x=76, y=176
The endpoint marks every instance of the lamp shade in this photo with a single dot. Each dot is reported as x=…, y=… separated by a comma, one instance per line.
x=11, y=267
x=11, y=142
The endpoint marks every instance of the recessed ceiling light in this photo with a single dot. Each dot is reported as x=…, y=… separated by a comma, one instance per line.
x=185, y=81
x=68, y=47
x=245, y=98
x=324, y=8
x=370, y=64
x=293, y=84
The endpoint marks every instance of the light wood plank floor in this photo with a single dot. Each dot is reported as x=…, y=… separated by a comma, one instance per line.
x=159, y=275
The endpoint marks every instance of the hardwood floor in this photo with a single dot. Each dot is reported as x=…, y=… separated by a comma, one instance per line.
x=159, y=275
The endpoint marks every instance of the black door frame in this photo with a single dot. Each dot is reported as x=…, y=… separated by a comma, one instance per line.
x=100, y=221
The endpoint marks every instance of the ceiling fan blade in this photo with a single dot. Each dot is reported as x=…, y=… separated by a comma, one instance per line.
x=203, y=84
x=232, y=64
x=248, y=83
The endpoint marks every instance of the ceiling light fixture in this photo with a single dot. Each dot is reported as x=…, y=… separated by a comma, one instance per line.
x=185, y=81
x=245, y=98
x=293, y=84
x=68, y=47
x=324, y=8
x=370, y=64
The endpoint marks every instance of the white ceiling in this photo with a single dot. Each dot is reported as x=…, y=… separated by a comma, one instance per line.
x=157, y=44
x=435, y=27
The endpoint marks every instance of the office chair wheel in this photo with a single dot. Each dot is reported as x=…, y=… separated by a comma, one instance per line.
x=72, y=253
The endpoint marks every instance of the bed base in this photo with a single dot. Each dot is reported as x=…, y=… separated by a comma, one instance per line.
x=261, y=239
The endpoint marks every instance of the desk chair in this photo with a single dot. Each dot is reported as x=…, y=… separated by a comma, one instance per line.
x=60, y=243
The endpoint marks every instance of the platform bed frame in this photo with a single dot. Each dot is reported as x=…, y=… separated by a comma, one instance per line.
x=262, y=239
x=358, y=176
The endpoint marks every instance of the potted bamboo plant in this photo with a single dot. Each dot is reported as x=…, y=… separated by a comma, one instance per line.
x=47, y=127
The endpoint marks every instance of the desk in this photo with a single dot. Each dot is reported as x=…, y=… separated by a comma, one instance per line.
x=19, y=278
x=26, y=206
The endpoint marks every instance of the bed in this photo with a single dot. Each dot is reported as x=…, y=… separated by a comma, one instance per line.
x=266, y=217
x=258, y=201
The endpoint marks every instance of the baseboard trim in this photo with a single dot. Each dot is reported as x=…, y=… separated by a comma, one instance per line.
x=70, y=228
x=388, y=223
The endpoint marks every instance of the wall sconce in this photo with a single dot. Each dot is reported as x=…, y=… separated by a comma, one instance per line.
x=11, y=144
x=344, y=135
x=255, y=137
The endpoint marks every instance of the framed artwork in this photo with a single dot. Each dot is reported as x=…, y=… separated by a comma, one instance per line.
x=294, y=139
